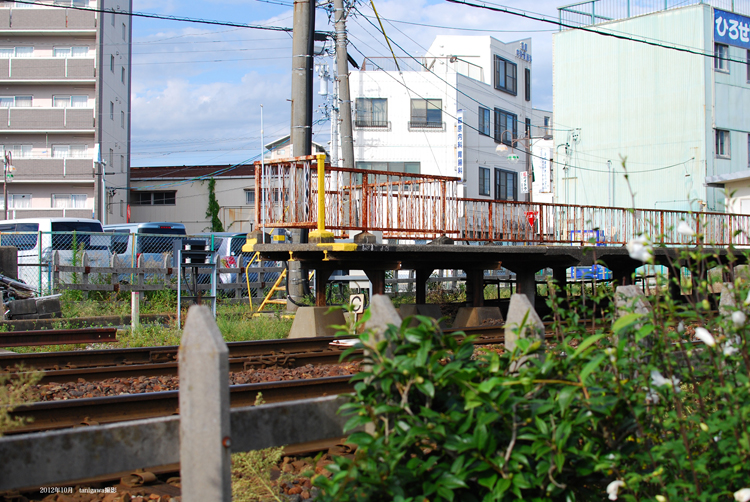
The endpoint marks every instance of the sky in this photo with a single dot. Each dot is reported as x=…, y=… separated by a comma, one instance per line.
x=198, y=90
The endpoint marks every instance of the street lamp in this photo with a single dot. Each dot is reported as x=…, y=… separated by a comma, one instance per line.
x=513, y=157
x=8, y=170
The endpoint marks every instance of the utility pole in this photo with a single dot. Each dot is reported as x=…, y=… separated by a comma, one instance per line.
x=8, y=171
x=342, y=68
x=301, y=133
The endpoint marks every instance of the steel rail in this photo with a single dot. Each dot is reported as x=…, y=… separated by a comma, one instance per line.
x=48, y=415
x=57, y=337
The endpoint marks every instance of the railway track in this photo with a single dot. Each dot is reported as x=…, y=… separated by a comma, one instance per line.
x=100, y=365
x=48, y=415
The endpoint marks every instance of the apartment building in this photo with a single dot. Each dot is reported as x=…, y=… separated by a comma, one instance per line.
x=65, y=107
x=448, y=113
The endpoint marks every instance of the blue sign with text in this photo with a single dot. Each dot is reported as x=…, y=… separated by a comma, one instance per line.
x=731, y=29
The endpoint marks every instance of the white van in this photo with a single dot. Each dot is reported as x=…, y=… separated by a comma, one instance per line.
x=37, y=238
x=151, y=241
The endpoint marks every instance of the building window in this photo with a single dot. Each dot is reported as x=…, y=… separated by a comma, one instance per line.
x=60, y=151
x=122, y=75
x=69, y=201
x=748, y=66
x=484, y=181
x=24, y=52
x=506, y=78
x=112, y=63
x=111, y=157
x=142, y=198
x=113, y=19
x=70, y=151
x=17, y=101
x=721, y=57
x=68, y=52
x=527, y=81
x=123, y=32
x=70, y=101
x=122, y=119
x=19, y=201
x=20, y=151
x=426, y=113
x=250, y=196
x=122, y=163
x=372, y=112
x=111, y=111
x=484, y=121
x=506, y=126
x=528, y=128
x=722, y=144
x=506, y=185
x=546, y=126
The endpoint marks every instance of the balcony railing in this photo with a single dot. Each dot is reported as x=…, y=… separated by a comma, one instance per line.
x=47, y=68
x=424, y=124
x=372, y=124
x=28, y=169
x=52, y=18
x=45, y=119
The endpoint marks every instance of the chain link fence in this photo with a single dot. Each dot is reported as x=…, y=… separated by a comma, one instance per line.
x=51, y=262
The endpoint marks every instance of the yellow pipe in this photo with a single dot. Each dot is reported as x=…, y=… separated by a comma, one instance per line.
x=321, y=193
x=247, y=279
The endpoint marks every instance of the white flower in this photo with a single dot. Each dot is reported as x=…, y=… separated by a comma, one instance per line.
x=684, y=229
x=659, y=381
x=652, y=397
x=729, y=348
x=738, y=318
x=640, y=248
x=661, y=498
x=747, y=300
x=681, y=327
x=704, y=336
x=614, y=487
x=742, y=495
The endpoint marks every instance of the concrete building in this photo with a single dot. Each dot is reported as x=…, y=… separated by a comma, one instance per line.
x=173, y=194
x=677, y=119
x=448, y=114
x=64, y=100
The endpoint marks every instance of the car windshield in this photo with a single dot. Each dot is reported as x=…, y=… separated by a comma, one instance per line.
x=82, y=235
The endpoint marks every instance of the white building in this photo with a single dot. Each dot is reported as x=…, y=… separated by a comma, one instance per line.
x=680, y=117
x=65, y=96
x=448, y=116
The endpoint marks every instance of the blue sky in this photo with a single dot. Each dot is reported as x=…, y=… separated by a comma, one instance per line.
x=198, y=89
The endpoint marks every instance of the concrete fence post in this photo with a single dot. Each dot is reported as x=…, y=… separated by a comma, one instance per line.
x=522, y=321
x=205, y=445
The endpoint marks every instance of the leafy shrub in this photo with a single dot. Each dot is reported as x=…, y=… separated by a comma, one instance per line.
x=631, y=409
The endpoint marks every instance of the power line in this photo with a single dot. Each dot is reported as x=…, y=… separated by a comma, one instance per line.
x=612, y=34
x=148, y=15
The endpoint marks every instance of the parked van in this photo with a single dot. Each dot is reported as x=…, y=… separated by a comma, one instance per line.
x=229, y=247
x=153, y=241
x=37, y=238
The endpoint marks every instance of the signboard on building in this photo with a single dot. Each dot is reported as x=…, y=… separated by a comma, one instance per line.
x=524, y=182
x=731, y=29
x=541, y=166
x=460, y=144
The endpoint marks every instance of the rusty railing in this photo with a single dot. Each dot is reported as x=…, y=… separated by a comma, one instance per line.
x=412, y=206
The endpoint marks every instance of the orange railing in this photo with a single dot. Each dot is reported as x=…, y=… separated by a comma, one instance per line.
x=412, y=206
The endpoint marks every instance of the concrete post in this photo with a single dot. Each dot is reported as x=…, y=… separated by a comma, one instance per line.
x=204, y=410
x=522, y=321
x=9, y=261
x=135, y=309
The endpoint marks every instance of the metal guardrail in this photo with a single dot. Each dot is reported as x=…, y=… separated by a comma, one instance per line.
x=413, y=206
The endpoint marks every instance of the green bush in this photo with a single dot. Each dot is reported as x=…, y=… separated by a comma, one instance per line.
x=634, y=410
